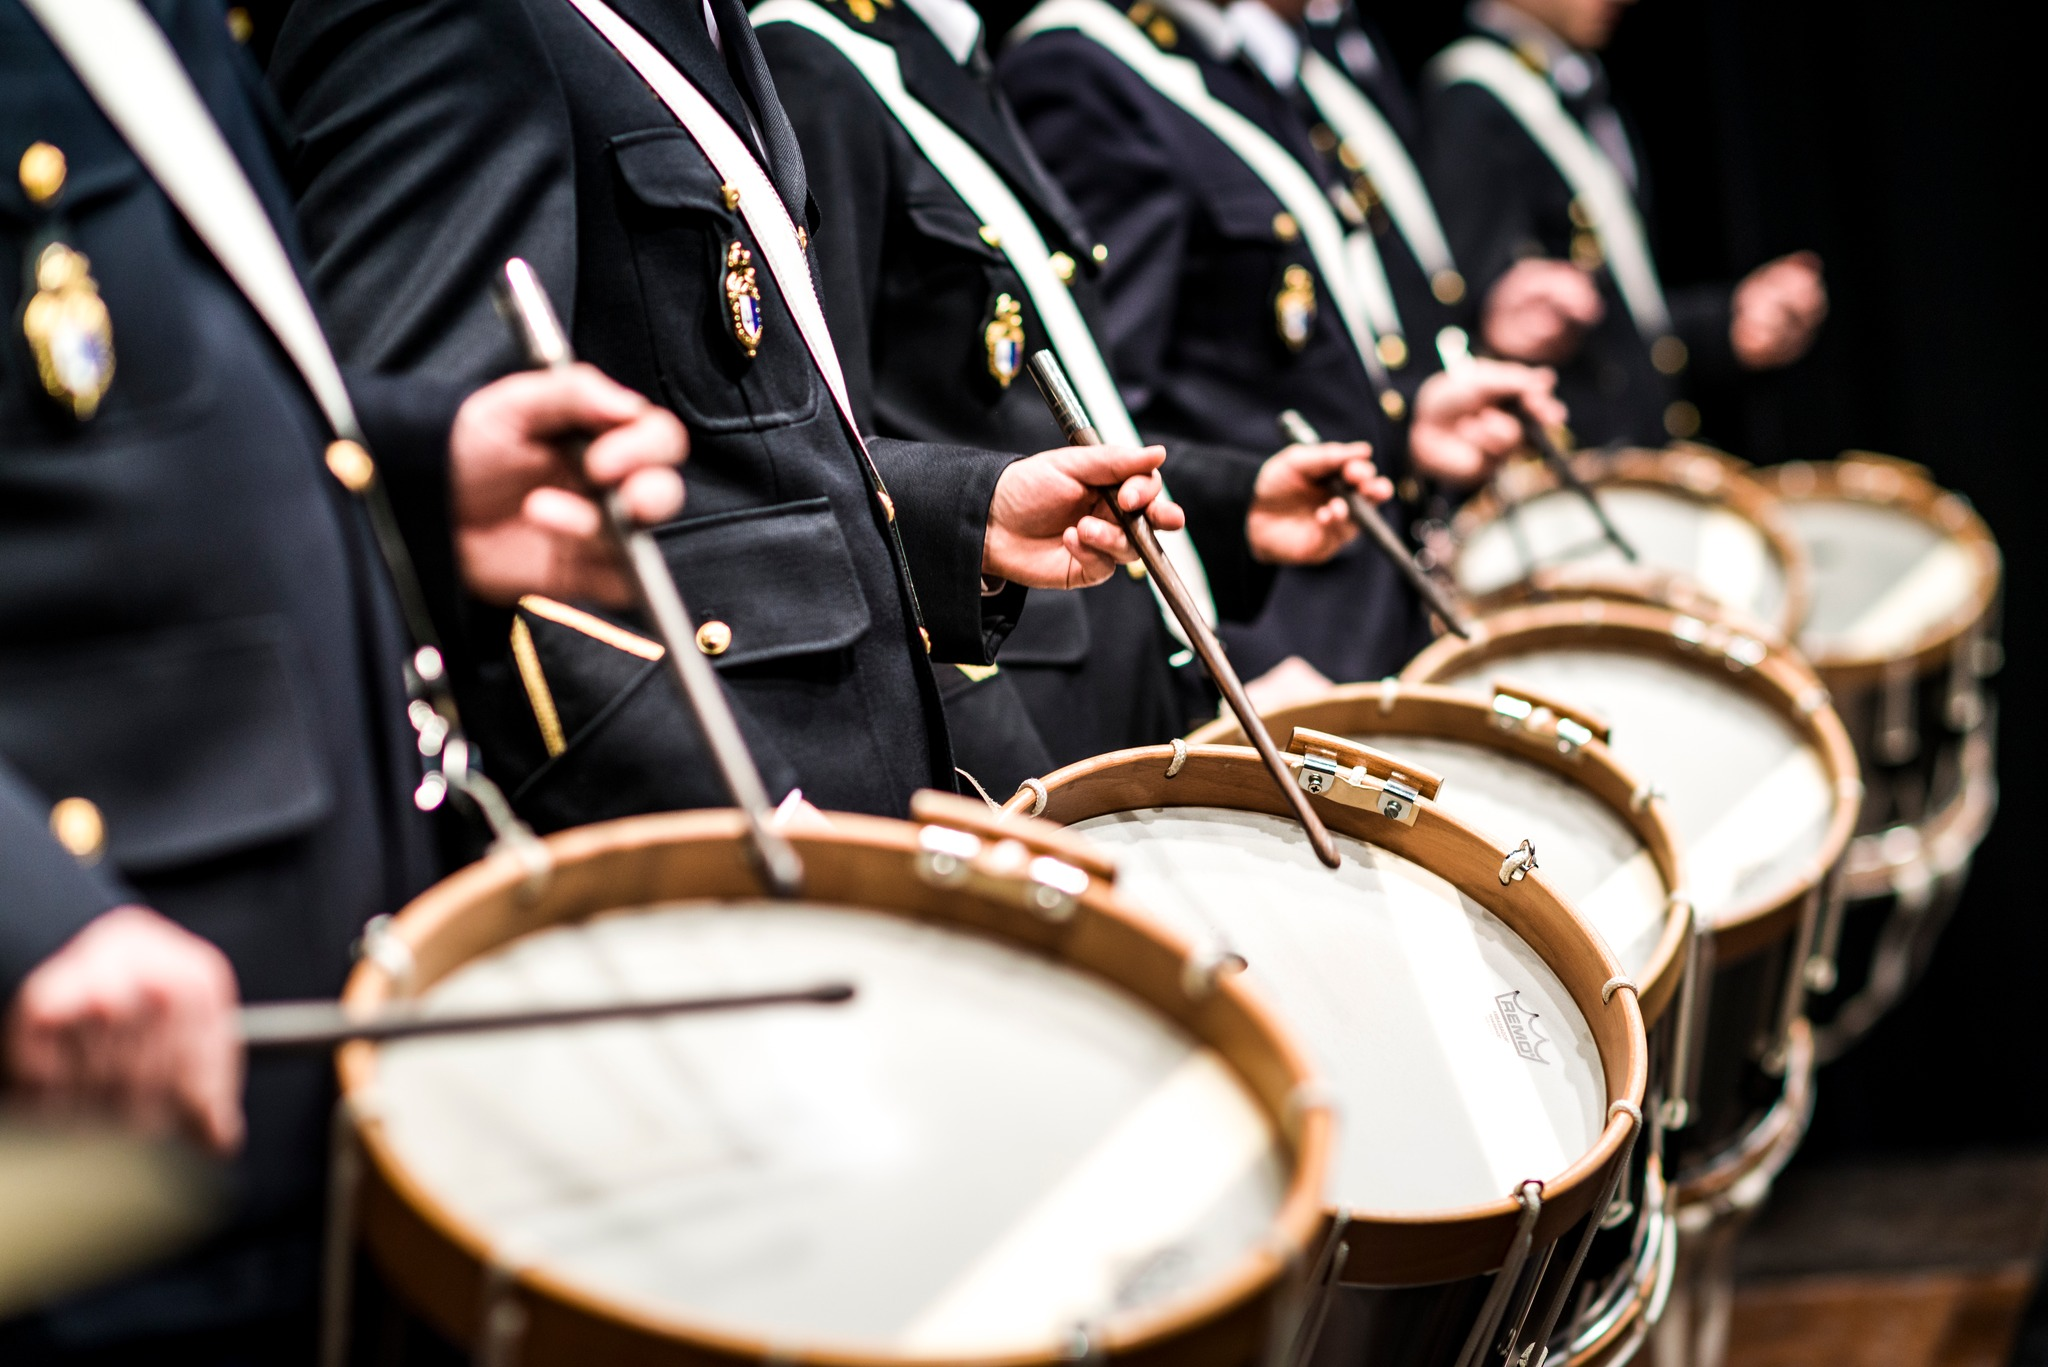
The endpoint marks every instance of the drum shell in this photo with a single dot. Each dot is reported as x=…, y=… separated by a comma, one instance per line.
x=444, y=1267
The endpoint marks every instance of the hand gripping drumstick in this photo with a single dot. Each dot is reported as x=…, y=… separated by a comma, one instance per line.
x=1452, y=347
x=529, y=311
x=321, y=1025
x=1371, y=522
x=1073, y=420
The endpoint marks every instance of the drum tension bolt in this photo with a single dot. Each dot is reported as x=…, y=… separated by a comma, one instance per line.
x=1518, y=863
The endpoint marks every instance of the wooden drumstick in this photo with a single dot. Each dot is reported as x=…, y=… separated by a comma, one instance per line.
x=1373, y=524
x=1073, y=420
x=328, y=1025
x=540, y=330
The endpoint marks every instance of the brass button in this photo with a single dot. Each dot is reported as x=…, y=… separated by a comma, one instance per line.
x=79, y=828
x=991, y=236
x=714, y=638
x=926, y=637
x=1323, y=139
x=1136, y=569
x=240, y=26
x=1099, y=252
x=1682, y=419
x=732, y=196
x=888, y=503
x=1393, y=405
x=1348, y=158
x=348, y=462
x=42, y=172
x=1586, y=252
x=1393, y=350
x=1284, y=226
x=1448, y=286
x=1669, y=355
x=1062, y=266
x=1582, y=217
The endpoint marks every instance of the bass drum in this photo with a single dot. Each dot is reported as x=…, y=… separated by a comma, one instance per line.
x=1904, y=632
x=1761, y=786
x=1518, y=767
x=1484, y=1050
x=1039, y=1132
x=1709, y=539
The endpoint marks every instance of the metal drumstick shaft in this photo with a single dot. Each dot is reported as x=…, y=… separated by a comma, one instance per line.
x=328, y=1025
x=1073, y=420
x=1374, y=525
x=548, y=346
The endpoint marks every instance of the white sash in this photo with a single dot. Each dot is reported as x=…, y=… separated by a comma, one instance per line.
x=1180, y=80
x=131, y=71
x=991, y=200
x=1592, y=177
x=1386, y=159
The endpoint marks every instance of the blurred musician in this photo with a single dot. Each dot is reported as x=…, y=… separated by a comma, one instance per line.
x=1545, y=194
x=942, y=250
x=1239, y=281
x=207, y=773
x=827, y=575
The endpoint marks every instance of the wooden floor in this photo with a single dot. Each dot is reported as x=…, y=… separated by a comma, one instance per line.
x=1893, y=1264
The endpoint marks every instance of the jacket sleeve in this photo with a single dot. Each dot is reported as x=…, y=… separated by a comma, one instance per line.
x=49, y=896
x=942, y=498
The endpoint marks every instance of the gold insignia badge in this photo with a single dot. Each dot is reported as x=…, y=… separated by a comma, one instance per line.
x=1004, y=337
x=743, y=298
x=69, y=331
x=1294, y=308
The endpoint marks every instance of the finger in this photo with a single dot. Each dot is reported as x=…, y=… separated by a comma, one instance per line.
x=1138, y=491
x=1086, y=566
x=1106, y=466
x=581, y=398
x=1106, y=540
x=652, y=496
x=1320, y=462
x=561, y=512
x=654, y=437
x=1363, y=476
x=1166, y=515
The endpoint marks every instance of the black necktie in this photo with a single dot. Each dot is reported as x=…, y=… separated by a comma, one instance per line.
x=750, y=72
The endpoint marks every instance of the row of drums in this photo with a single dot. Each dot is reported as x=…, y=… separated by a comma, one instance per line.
x=1128, y=1074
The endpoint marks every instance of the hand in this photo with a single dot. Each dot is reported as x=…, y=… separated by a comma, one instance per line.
x=134, y=1016
x=1539, y=312
x=1050, y=526
x=1294, y=518
x=1461, y=432
x=524, y=521
x=1293, y=680
x=1778, y=309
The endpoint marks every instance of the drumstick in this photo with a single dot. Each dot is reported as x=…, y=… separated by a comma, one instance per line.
x=1073, y=420
x=1453, y=349
x=530, y=313
x=1370, y=521
x=328, y=1025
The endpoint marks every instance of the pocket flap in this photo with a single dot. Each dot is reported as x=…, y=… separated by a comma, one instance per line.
x=193, y=743
x=780, y=579
x=665, y=168
x=943, y=216
x=1052, y=630
x=1242, y=212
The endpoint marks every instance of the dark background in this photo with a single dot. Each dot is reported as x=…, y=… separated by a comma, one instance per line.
x=1896, y=140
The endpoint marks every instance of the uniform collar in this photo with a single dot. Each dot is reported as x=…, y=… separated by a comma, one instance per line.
x=1246, y=28
x=1573, y=72
x=953, y=22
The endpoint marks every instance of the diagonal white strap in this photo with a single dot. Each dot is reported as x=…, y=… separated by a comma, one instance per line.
x=130, y=69
x=1585, y=168
x=1180, y=81
x=1386, y=160
x=989, y=197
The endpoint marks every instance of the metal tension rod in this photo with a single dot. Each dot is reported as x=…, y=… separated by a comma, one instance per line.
x=1374, y=524
x=1074, y=422
x=540, y=331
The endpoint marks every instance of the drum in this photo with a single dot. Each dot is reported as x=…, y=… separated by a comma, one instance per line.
x=1484, y=1050
x=1903, y=631
x=1760, y=783
x=1517, y=767
x=1709, y=539
x=1040, y=1131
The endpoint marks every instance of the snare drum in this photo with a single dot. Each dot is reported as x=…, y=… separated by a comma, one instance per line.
x=1484, y=1050
x=1760, y=783
x=1516, y=767
x=1038, y=1133
x=1903, y=630
x=1709, y=539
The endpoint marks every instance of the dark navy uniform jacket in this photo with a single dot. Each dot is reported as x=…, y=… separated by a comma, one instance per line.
x=1501, y=199
x=911, y=287
x=435, y=140
x=1194, y=270
x=196, y=637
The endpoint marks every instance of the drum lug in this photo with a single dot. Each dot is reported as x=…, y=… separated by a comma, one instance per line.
x=1006, y=869
x=1546, y=721
x=1357, y=775
x=1517, y=864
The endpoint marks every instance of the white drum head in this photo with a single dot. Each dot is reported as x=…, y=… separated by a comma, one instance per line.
x=1590, y=855
x=1748, y=794
x=1716, y=548
x=1883, y=579
x=1459, y=1065
x=981, y=1151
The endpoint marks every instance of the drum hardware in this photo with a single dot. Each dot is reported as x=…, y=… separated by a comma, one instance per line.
x=1518, y=864
x=1374, y=524
x=502, y=1323
x=1530, y=1197
x=525, y=304
x=337, y=1258
x=388, y=952
x=1539, y=1343
x=1319, y=1293
x=1674, y=1112
x=1080, y=430
x=1898, y=730
x=1821, y=973
x=1360, y=776
x=1545, y=721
